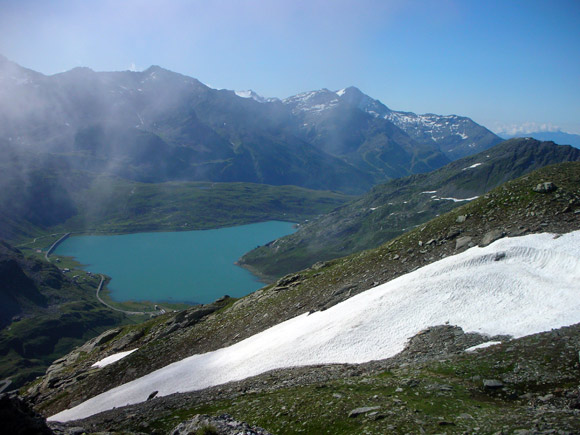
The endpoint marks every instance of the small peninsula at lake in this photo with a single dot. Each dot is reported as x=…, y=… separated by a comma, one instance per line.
x=188, y=266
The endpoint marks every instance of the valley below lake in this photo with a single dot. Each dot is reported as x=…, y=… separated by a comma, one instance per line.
x=187, y=266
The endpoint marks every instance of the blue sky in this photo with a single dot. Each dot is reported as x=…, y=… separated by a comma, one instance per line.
x=506, y=64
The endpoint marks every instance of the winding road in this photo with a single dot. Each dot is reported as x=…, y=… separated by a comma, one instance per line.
x=138, y=313
x=161, y=311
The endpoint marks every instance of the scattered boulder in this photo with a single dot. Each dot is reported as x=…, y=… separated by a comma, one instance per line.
x=492, y=384
x=499, y=256
x=460, y=219
x=491, y=236
x=462, y=242
x=546, y=187
x=452, y=234
x=358, y=411
x=222, y=425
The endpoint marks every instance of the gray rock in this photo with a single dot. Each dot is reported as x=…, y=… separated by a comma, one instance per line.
x=546, y=187
x=223, y=425
x=452, y=233
x=358, y=411
x=492, y=384
x=499, y=256
x=127, y=339
x=460, y=219
x=462, y=242
x=491, y=237
x=546, y=398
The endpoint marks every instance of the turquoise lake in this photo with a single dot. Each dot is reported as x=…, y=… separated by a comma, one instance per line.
x=189, y=266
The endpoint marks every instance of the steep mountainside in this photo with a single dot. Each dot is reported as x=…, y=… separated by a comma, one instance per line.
x=456, y=136
x=397, y=206
x=157, y=125
x=516, y=208
x=338, y=123
x=43, y=314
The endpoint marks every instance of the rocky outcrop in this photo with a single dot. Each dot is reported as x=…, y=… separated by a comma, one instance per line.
x=546, y=187
x=18, y=418
x=220, y=425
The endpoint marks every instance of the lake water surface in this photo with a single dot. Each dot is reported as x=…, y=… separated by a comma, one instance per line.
x=189, y=266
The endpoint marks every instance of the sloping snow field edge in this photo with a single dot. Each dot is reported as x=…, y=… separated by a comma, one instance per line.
x=533, y=288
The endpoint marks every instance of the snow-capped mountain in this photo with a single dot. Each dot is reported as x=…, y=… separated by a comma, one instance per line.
x=157, y=125
x=455, y=136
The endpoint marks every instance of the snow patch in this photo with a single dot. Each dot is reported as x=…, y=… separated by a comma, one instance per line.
x=341, y=92
x=475, y=165
x=113, y=358
x=482, y=346
x=455, y=199
x=534, y=288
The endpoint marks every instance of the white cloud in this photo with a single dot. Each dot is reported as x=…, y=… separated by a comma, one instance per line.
x=525, y=128
x=132, y=67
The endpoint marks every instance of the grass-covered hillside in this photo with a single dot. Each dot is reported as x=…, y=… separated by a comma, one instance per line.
x=44, y=314
x=512, y=209
x=390, y=209
x=46, y=201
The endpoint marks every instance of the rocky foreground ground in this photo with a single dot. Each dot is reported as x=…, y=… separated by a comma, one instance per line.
x=525, y=386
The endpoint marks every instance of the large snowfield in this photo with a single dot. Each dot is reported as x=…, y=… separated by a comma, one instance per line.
x=535, y=287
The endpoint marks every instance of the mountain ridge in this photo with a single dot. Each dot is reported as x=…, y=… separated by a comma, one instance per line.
x=158, y=125
x=389, y=209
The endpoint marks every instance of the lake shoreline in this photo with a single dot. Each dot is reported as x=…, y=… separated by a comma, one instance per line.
x=191, y=267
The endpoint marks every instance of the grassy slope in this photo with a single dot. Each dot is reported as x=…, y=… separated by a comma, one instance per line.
x=122, y=206
x=106, y=204
x=67, y=316
x=514, y=208
x=390, y=209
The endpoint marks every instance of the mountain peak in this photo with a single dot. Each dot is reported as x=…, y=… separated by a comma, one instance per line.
x=252, y=95
x=350, y=90
x=355, y=97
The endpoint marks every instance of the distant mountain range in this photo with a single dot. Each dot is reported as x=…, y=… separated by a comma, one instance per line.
x=560, y=137
x=157, y=125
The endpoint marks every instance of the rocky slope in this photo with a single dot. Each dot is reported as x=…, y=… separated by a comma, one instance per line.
x=390, y=209
x=518, y=207
x=528, y=385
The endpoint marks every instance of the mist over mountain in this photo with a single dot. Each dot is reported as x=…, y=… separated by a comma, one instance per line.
x=157, y=125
